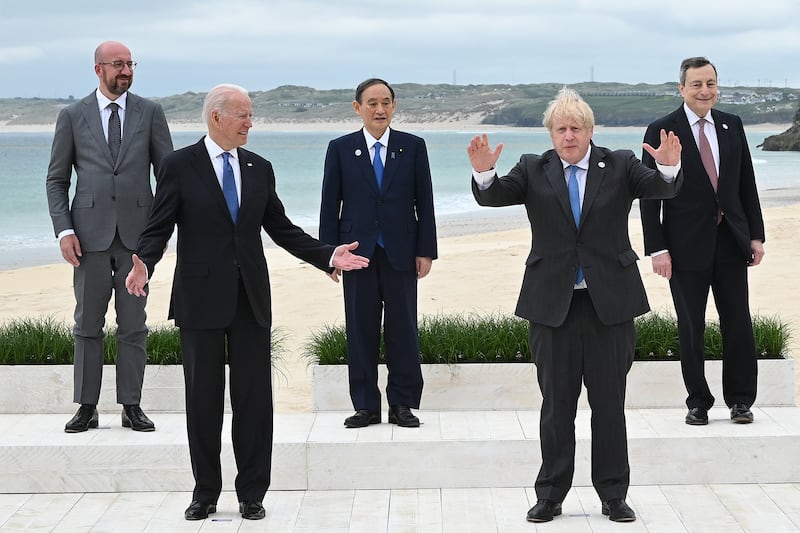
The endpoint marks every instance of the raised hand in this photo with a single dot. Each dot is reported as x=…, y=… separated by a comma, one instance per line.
x=481, y=155
x=669, y=152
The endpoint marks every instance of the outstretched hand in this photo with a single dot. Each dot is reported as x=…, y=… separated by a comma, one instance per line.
x=344, y=259
x=481, y=155
x=669, y=152
x=137, y=278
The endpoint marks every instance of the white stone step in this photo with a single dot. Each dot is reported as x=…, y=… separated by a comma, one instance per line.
x=451, y=449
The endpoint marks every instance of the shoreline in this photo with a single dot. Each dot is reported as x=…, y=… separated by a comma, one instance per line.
x=474, y=222
x=466, y=125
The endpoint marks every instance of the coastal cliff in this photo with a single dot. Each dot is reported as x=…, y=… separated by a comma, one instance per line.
x=787, y=141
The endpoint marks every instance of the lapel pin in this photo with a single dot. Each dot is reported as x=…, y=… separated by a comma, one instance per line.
x=392, y=155
x=249, y=164
x=358, y=152
x=601, y=164
x=724, y=126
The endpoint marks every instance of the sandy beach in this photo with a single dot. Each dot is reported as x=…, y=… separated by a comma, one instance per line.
x=479, y=270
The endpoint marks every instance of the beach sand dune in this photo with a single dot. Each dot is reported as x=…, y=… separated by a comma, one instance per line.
x=479, y=271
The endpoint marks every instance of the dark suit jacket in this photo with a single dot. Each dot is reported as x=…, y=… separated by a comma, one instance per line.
x=601, y=245
x=108, y=197
x=687, y=224
x=354, y=210
x=213, y=252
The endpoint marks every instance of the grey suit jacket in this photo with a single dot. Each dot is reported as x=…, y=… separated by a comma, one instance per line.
x=600, y=243
x=108, y=197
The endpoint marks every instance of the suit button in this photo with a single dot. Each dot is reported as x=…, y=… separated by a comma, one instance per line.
x=113, y=198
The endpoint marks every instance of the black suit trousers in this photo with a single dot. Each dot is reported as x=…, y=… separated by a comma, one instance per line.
x=248, y=356
x=375, y=291
x=727, y=279
x=583, y=350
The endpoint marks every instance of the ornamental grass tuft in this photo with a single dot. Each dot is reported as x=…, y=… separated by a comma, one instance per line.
x=46, y=341
x=460, y=338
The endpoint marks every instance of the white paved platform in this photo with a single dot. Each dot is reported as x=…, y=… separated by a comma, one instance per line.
x=750, y=508
x=467, y=450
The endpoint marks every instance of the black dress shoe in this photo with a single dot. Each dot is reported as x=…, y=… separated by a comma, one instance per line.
x=133, y=417
x=85, y=418
x=403, y=417
x=199, y=510
x=741, y=414
x=618, y=511
x=697, y=416
x=252, y=510
x=544, y=511
x=362, y=419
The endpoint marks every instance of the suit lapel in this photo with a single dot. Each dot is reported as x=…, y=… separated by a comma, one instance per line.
x=594, y=179
x=247, y=170
x=207, y=177
x=133, y=118
x=394, y=152
x=359, y=152
x=91, y=113
x=554, y=171
x=724, y=143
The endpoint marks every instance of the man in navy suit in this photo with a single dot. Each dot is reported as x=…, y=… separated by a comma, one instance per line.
x=581, y=289
x=221, y=196
x=706, y=237
x=377, y=190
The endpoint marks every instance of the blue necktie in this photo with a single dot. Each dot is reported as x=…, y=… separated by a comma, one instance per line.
x=575, y=202
x=377, y=165
x=229, y=187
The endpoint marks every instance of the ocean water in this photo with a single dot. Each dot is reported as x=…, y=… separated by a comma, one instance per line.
x=27, y=237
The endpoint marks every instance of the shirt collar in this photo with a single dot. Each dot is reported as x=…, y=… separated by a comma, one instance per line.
x=214, y=150
x=384, y=140
x=103, y=100
x=583, y=164
x=692, y=117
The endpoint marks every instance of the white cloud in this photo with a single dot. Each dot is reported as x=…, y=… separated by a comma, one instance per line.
x=190, y=46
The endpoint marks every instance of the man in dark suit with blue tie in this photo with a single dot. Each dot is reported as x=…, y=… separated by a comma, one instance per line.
x=581, y=289
x=111, y=138
x=377, y=190
x=706, y=237
x=220, y=196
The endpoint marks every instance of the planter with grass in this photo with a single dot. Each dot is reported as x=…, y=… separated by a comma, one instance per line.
x=483, y=363
x=36, y=371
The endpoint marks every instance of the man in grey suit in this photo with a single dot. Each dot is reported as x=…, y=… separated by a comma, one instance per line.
x=111, y=138
x=581, y=289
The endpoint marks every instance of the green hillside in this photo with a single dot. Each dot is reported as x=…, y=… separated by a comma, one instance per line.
x=614, y=104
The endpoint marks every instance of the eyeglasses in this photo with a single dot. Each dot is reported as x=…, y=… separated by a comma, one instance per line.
x=119, y=65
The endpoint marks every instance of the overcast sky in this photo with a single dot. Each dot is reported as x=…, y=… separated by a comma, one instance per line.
x=47, y=46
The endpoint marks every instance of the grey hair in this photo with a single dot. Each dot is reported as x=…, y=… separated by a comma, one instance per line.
x=694, y=62
x=217, y=98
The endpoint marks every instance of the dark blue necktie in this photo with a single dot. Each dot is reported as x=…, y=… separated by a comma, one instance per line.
x=377, y=165
x=229, y=187
x=575, y=202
